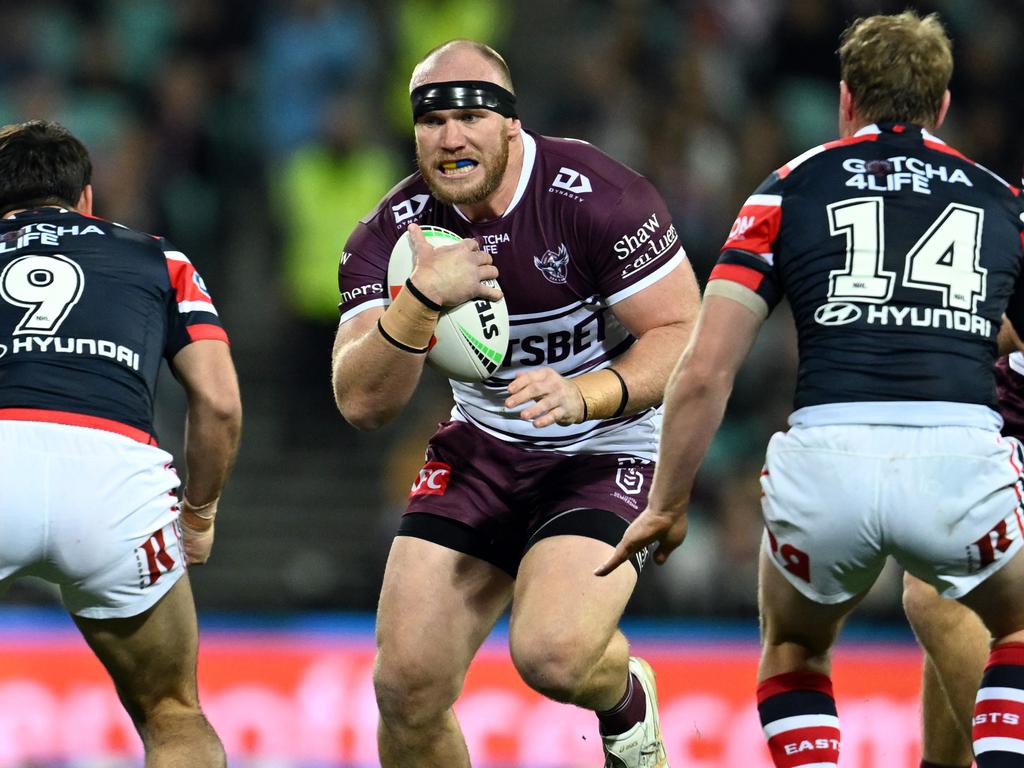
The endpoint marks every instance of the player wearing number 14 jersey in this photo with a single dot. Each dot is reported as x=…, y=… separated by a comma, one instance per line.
x=899, y=257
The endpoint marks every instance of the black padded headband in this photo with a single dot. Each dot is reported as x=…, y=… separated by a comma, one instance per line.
x=463, y=94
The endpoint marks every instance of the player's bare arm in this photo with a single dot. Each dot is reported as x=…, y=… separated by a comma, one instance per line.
x=1008, y=341
x=695, y=402
x=212, y=431
x=379, y=354
x=661, y=317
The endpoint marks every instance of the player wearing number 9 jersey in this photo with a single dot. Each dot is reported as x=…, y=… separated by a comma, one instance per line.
x=899, y=257
x=88, y=309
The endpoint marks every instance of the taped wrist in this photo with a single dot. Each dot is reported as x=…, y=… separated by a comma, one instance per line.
x=206, y=511
x=408, y=323
x=604, y=393
x=197, y=525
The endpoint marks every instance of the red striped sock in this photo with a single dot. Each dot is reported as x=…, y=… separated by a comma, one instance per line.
x=798, y=715
x=999, y=709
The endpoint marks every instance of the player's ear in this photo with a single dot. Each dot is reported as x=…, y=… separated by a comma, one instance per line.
x=514, y=127
x=943, y=109
x=845, y=109
x=85, y=201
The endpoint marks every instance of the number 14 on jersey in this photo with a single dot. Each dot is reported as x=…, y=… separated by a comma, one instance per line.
x=945, y=259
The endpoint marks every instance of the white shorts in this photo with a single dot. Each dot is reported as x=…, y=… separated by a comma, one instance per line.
x=91, y=511
x=945, y=502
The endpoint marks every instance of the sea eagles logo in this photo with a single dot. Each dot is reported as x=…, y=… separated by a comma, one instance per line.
x=837, y=313
x=553, y=265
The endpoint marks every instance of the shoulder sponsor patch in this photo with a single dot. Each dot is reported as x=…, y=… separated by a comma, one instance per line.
x=409, y=209
x=572, y=181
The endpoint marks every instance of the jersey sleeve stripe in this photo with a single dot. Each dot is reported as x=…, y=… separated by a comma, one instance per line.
x=737, y=273
x=176, y=256
x=77, y=420
x=740, y=294
x=360, y=308
x=201, y=331
x=766, y=200
x=652, y=278
x=196, y=306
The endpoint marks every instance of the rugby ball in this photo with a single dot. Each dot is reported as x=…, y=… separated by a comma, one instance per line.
x=471, y=339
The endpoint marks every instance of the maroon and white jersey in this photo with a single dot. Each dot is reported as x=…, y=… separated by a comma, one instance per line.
x=582, y=233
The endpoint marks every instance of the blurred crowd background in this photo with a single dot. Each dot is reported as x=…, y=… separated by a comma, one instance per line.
x=255, y=134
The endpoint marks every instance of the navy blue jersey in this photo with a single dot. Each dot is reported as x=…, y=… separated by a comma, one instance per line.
x=899, y=257
x=88, y=309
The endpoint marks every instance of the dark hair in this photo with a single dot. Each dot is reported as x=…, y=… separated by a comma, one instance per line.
x=41, y=163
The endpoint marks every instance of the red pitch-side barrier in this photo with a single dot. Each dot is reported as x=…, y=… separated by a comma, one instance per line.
x=308, y=701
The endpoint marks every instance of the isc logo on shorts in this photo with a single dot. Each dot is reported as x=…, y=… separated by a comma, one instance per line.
x=432, y=479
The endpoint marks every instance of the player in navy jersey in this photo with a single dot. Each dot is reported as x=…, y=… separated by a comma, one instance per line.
x=88, y=309
x=542, y=465
x=899, y=257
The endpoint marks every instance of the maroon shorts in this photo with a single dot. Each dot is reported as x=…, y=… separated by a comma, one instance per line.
x=493, y=500
x=1010, y=388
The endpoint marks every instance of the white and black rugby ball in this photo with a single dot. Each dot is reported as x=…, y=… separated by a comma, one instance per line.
x=471, y=339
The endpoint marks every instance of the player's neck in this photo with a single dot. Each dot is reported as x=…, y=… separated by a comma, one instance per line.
x=494, y=207
x=16, y=211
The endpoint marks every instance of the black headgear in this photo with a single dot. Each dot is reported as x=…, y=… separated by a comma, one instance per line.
x=463, y=94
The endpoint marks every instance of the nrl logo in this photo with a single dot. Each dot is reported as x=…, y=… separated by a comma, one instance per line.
x=629, y=476
x=553, y=266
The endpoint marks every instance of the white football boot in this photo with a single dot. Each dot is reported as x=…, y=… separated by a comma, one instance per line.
x=640, y=746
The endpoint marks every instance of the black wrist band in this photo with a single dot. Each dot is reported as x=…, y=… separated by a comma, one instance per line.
x=586, y=411
x=396, y=343
x=625, y=394
x=422, y=297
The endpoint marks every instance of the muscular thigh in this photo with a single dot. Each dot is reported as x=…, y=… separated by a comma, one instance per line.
x=152, y=656
x=436, y=607
x=581, y=514
x=560, y=603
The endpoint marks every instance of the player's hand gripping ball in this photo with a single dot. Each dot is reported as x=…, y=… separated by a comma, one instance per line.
x=471, y=339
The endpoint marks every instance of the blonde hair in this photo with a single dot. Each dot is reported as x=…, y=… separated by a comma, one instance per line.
x=897, y=67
